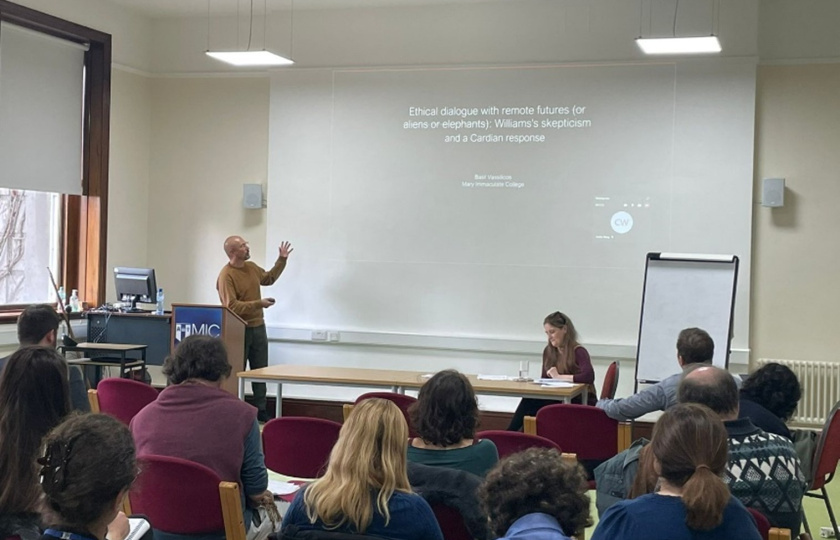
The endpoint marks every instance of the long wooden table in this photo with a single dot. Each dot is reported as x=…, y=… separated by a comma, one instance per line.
x=393, y=380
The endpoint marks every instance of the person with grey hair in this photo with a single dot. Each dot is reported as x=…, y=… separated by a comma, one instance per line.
x=764, y=471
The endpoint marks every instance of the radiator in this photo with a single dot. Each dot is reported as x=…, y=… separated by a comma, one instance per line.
x=820, y=382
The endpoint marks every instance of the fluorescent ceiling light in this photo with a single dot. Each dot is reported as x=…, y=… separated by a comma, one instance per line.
x=251, y=58
x=684, y=45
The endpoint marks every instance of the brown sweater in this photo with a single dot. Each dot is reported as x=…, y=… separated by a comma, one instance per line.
x=239, y=289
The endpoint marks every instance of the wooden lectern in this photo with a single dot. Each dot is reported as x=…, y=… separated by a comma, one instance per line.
x=216, y=321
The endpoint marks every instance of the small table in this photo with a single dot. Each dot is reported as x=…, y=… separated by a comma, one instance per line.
x=126, y=364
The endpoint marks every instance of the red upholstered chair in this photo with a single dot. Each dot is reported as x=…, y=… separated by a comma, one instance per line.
x=511, y=442
x=451, y=522
x=400, y=400
x=761, y=522
x=299, y=446
x=182, y=497
x=826, y=458
x=610, y=382
x=579, y=429
x=123, y=398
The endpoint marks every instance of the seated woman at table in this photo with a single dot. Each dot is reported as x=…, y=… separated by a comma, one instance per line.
x=88, y=466
x=194, y=419
x=563, y=359
x=365, y=489
x=690, y=453
x=34, y=398
x=445, y=417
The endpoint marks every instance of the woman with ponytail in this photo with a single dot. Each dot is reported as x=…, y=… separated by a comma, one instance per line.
x=690, y=450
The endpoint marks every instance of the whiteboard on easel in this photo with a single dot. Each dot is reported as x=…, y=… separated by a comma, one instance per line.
x=684, y=291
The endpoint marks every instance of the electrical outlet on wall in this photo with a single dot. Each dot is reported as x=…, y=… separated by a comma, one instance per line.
x=319, y=335
x=334, y=336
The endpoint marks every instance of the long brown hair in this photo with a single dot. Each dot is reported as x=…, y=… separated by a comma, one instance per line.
x=563, y=358
x=34, y=398
x=692, y=449
x=367, y=465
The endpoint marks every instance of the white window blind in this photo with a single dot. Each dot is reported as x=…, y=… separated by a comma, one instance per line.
x=41, y=89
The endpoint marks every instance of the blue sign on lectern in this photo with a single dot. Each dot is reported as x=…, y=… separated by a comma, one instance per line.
x=197, y=320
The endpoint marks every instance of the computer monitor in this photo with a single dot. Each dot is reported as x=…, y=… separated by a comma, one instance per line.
x=135, y=285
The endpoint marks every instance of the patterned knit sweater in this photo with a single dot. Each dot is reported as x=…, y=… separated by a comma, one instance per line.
x=764, y=473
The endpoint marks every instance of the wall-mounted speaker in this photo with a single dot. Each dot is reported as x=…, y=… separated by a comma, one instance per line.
x=252, y=196
x=773, y=192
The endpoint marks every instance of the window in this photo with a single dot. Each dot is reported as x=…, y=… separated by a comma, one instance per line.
x=30, y=243
x=66, y=232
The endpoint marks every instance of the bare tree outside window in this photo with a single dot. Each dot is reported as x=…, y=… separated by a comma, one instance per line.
x=30, y=234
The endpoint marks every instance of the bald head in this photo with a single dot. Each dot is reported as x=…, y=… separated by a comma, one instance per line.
x=237, y=250
x=713, y=387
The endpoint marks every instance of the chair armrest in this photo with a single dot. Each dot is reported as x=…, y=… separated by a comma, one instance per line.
x=232, y=511
x=93, y=399
x=530, y=425
x=778, y=534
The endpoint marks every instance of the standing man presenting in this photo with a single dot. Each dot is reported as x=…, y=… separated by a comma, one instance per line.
x=239, y=289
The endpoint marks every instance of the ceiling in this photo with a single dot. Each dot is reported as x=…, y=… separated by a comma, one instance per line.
x=187, y=8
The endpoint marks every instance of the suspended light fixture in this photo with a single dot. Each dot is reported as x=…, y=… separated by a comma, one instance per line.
x=248, y=57
x=680, y=45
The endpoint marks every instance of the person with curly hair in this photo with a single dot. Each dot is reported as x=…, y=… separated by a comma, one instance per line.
x=194, y=419
x=768, y=398
x=536, y=495
x=690, y=450
x=445, y=416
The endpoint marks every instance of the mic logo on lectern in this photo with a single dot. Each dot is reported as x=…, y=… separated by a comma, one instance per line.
x=182, y=330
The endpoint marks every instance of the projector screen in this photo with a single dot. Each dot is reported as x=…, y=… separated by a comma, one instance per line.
x=474, y=201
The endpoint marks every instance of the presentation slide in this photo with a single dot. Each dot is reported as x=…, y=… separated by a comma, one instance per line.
x=474, y=201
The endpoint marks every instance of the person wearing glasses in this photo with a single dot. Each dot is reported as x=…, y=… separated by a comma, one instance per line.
x=563, y=359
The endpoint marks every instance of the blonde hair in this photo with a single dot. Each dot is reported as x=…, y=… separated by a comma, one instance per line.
x=370, y=455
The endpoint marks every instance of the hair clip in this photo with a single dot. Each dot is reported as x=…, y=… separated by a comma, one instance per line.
x=54, y=465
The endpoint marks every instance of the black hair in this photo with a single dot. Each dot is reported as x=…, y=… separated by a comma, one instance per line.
x=35, y=322
x=446, y=410
x=774, y=387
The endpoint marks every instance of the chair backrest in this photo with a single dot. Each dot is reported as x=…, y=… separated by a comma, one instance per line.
x=451, y=522
x=827, y=453
x=580, y=429
x=400, y=400
x=93, y=399
x=123, y=398
x=511, y=442
x=761, y=522
x=182, y=497
x=299, y=446
x=610, y=382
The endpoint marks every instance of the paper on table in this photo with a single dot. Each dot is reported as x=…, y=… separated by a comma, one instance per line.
x=282, y=488
x=492, y=377
x=557, y=384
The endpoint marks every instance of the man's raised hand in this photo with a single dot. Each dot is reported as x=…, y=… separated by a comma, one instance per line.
x=285, y=249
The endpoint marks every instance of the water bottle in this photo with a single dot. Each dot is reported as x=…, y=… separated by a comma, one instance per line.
x=75, y=305
x=62, y=297
x=159, y=308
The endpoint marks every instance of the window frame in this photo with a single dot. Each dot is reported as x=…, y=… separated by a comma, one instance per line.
x=84, y=217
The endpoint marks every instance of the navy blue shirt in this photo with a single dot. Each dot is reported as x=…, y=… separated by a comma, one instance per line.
x=662, y=517
x=763, y=418
x=411, y=518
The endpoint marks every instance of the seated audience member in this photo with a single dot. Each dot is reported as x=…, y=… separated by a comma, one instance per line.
x=690, y=450
x=536, y=495
x=768, y=398
x=694, y=346
x=763, y=471
x=445, y=416
x=563, y=359
x=194, y=419
x=87, y=470
x=365, y=489
x=453, y=488
x=38, y=325
x=33, y=400
x=627, y=475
